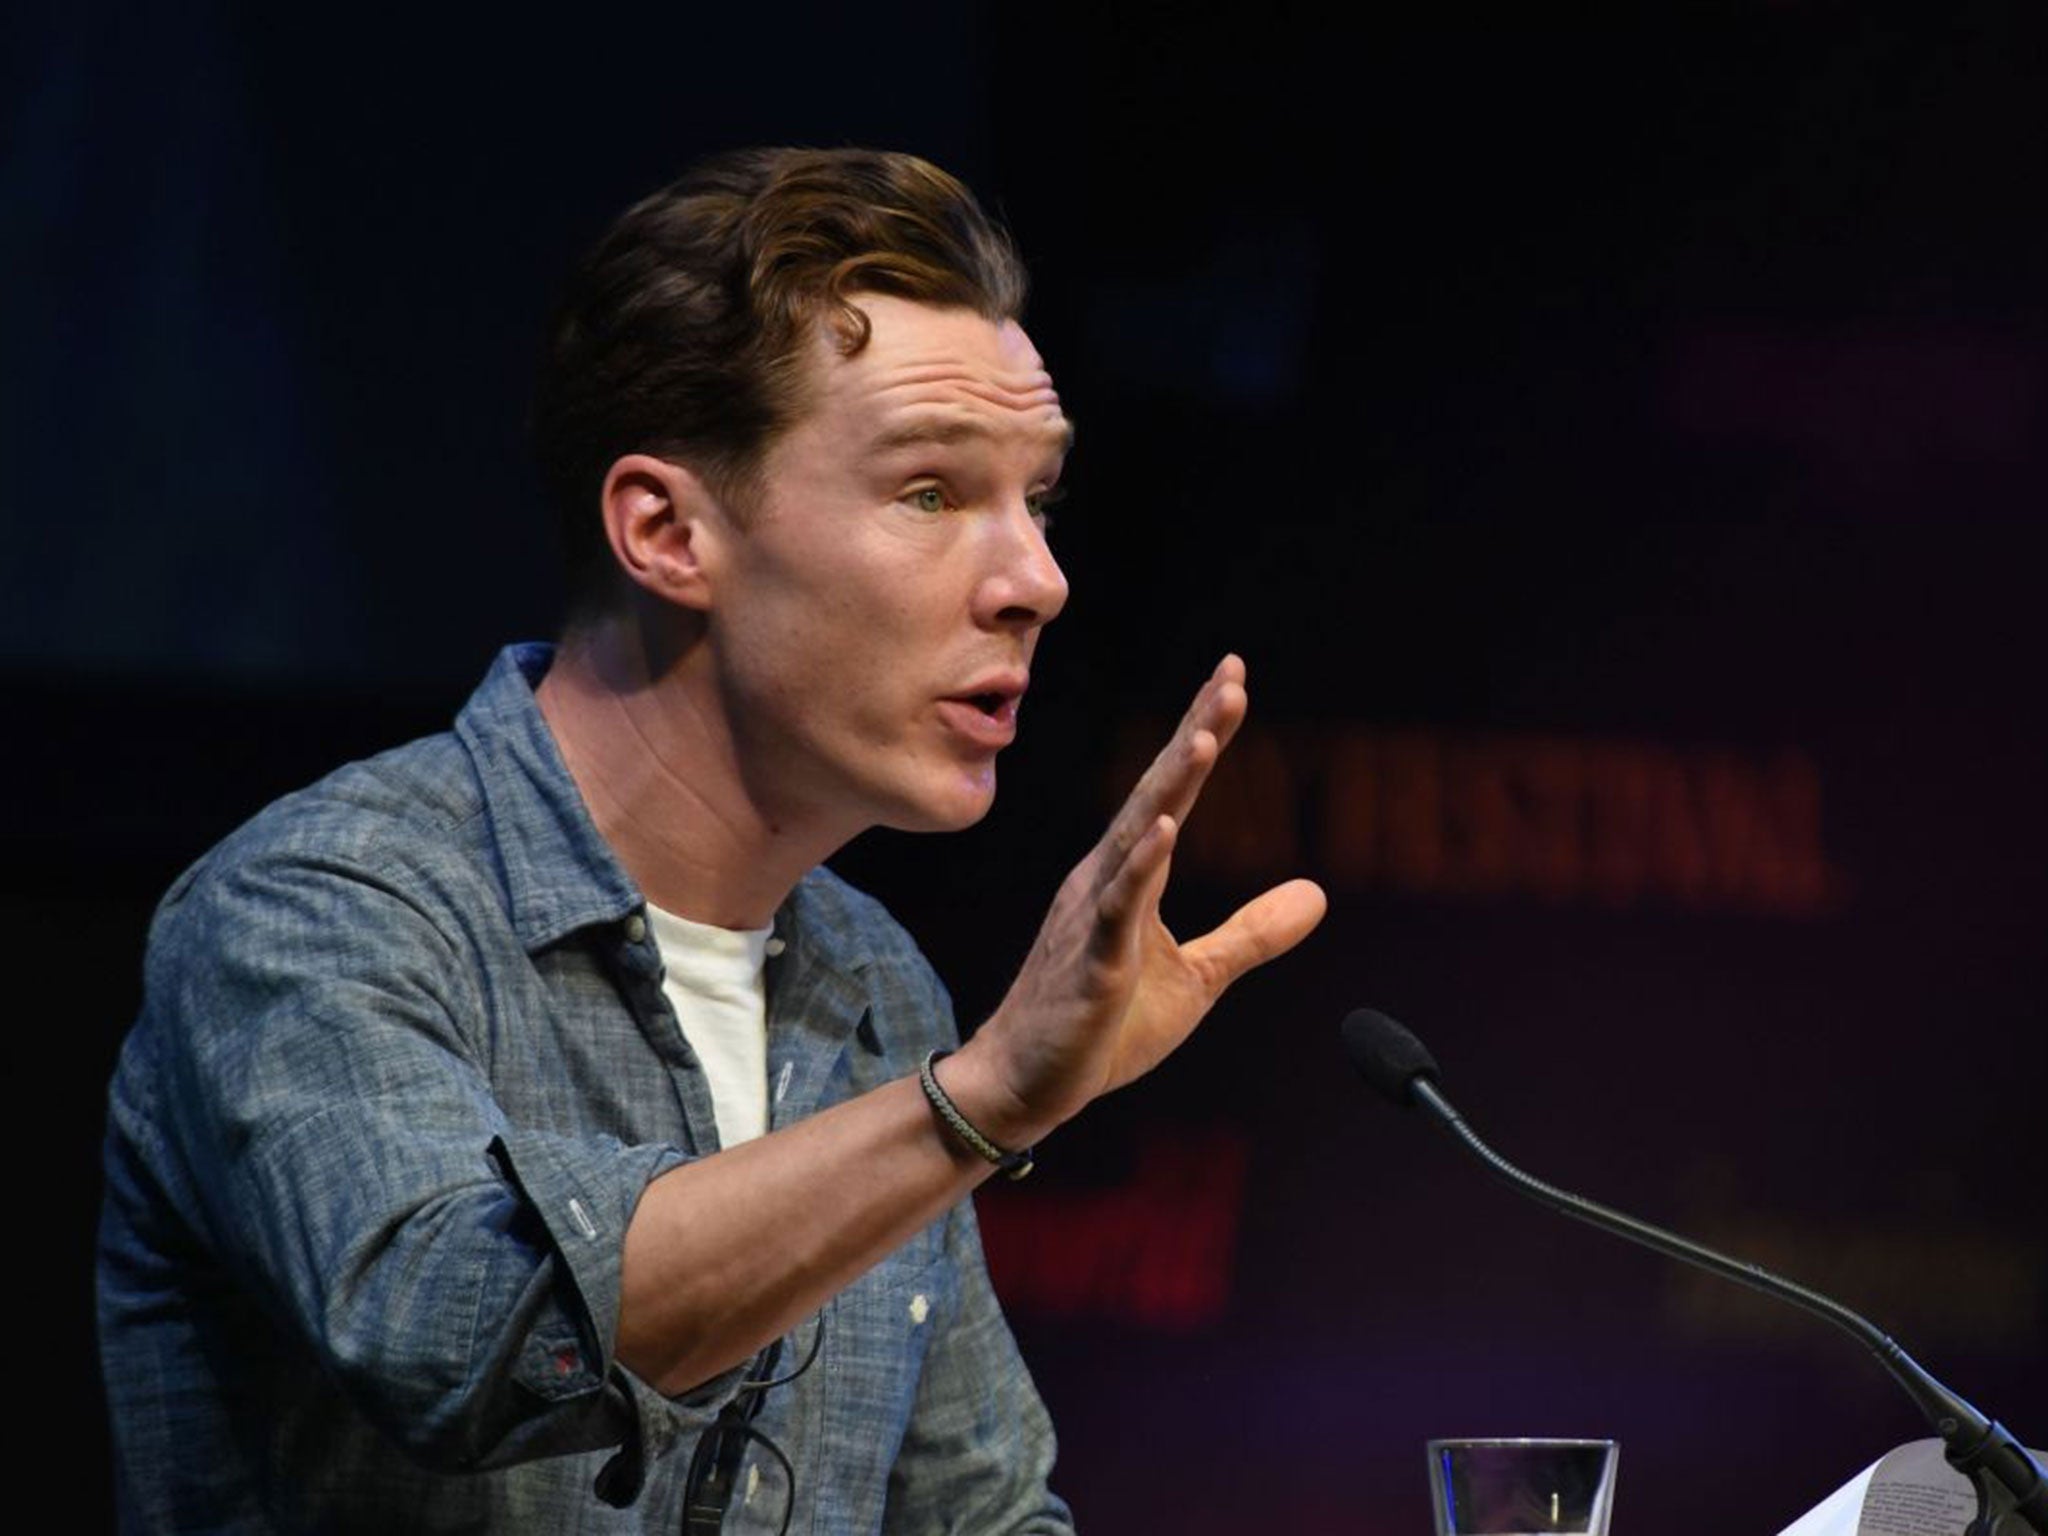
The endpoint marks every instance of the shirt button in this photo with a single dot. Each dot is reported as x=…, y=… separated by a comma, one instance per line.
x=774, y=947
x=636, y=928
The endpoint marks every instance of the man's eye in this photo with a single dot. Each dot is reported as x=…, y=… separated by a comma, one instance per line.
x=928, y=498
x=1042, y=502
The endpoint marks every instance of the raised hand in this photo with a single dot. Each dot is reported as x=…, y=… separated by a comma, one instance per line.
x=1107, y=992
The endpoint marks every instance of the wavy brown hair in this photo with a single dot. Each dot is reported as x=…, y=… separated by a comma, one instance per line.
x=683, y=333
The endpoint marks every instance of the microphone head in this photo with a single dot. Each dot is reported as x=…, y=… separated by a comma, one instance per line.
x=1386, y=1055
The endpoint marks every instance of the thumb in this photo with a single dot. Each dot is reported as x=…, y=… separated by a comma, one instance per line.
x=1263, y=929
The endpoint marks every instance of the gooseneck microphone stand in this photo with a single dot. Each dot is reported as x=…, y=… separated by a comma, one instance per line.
x=2008, y=1480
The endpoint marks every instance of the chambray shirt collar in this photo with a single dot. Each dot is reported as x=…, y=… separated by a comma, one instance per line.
x=559, y=873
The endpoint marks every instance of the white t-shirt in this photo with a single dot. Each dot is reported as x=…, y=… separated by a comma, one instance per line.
x=714, y=981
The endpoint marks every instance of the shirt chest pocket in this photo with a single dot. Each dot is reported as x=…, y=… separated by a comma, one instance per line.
x=880, y=1327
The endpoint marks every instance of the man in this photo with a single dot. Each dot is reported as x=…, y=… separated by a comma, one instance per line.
x=522, y=1130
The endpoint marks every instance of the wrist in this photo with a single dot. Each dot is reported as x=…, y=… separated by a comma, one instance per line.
x=972, y=1079
x=1012, y=1163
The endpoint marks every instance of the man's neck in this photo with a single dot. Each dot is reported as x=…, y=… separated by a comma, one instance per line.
x=643, y=732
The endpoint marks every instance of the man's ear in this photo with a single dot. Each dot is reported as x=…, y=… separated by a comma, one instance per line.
x=664, y=525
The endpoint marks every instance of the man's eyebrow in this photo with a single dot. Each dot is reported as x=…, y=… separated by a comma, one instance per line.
x=947, y=430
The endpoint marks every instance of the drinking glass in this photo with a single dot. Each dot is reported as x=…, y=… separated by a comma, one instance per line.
x=1511, y=1487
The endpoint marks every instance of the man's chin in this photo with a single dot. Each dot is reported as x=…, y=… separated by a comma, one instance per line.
x=946, y=813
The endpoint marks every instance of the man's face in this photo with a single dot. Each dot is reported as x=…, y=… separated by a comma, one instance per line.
x=876, y=612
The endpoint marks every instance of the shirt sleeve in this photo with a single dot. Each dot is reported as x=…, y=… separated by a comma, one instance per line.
x=321, y=1094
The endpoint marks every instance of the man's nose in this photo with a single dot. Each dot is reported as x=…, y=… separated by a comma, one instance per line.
x=1024, y=587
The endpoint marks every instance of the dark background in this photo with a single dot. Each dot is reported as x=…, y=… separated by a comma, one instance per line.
x=1665, y=395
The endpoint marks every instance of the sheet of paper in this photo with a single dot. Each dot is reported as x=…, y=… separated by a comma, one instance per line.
x=1915, y=1492
x=1836, y=1514
x=1911, y=1491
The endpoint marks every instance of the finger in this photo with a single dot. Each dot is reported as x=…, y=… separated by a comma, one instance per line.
x=1184, y=766
x=1228, y=699
x=1170, y=785
x=1263, y=929
x=1200, y=715
x=1134, y=890
x=1218, y=705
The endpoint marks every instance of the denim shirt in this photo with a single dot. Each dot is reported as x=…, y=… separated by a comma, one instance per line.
x=402, y=1070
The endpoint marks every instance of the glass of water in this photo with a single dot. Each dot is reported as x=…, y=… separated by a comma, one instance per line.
x=1521, y=1487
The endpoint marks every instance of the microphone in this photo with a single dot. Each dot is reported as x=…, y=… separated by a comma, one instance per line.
x=2006, y=1475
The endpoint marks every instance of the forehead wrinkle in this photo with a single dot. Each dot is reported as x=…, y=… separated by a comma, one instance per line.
x=945, y=427
x=1021, y=386
x=927, y=403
